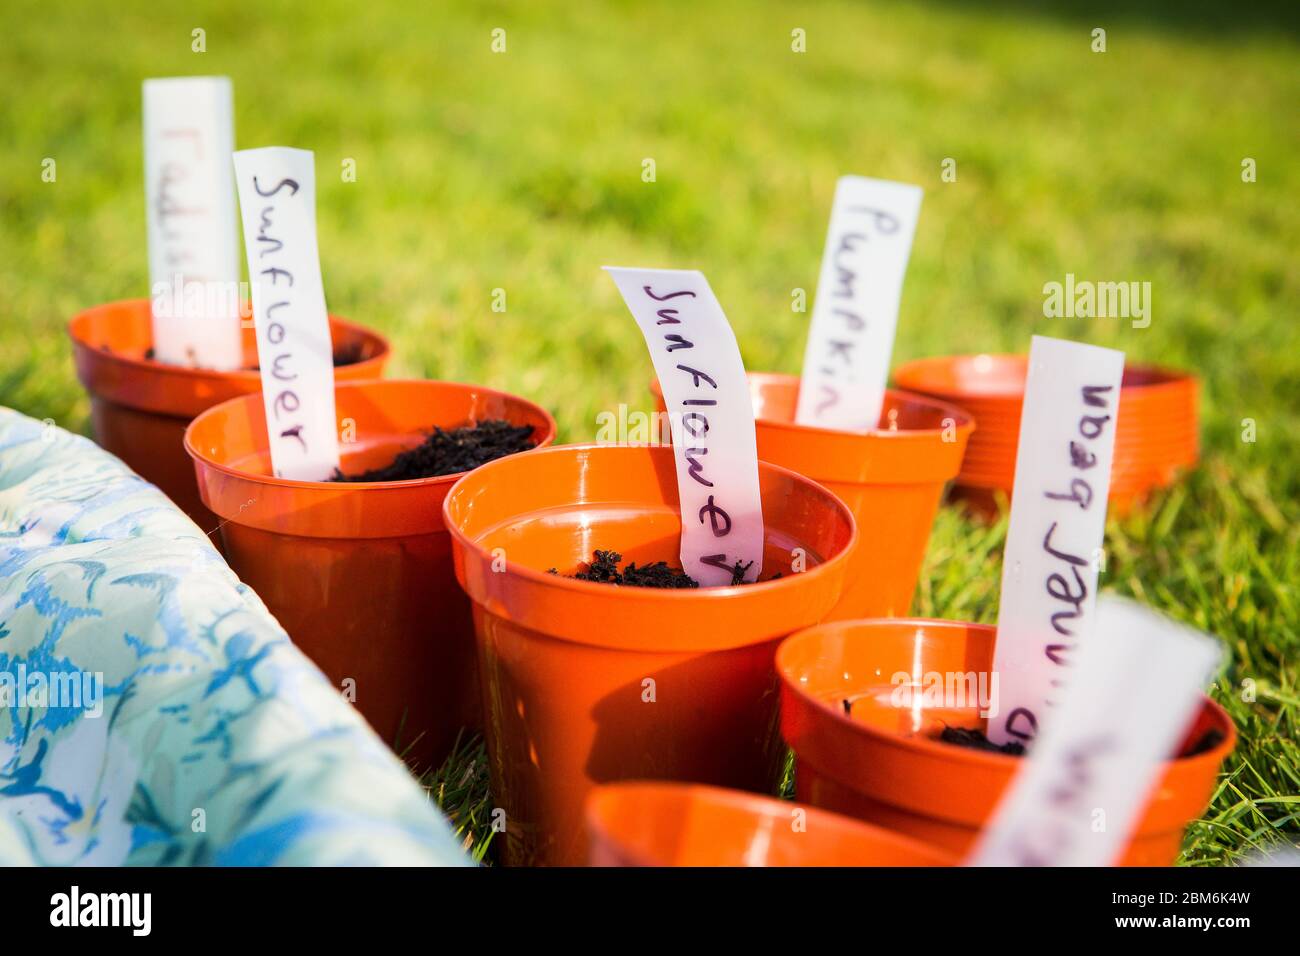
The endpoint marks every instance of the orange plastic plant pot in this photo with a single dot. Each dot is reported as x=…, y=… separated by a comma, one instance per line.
x=139, y=408
x=589, y=683
x=360, y=573
x=881, y=764
x=891, y=479
x=1156, y=436
x=674, y=824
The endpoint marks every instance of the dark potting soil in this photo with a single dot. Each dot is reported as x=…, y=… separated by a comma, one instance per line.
x=449, y=452
x=349, y=354
x=976, y=740
x=603, y=569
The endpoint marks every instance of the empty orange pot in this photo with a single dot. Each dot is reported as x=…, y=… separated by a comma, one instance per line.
x=139, y=408
x=588, y=683
x=1156, y=436
x=892, y=480
x=360, y=573
x=880, y=762
x=675, y=824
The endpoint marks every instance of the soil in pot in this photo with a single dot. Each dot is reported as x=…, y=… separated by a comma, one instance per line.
x=976, y=740
x=955, y=726
x=350, y=353
x=603, y=569
x=451, y=452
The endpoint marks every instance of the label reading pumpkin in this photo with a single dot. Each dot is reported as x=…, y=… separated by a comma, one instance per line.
x=855, y=312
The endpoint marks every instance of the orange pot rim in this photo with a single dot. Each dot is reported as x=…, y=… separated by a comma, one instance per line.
x=1154, y=449
x=909, y=375
x=1152, y=473
x=964, y=757
x=883, y=456
x=681, y=596
x=247, y=379
x=596, y=813
x=333, y=486
x=965, y=421
x=1126, y=471
x=234, y=432
x=1120, y=497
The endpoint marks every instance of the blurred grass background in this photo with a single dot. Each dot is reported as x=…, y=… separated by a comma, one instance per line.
x=522, y=171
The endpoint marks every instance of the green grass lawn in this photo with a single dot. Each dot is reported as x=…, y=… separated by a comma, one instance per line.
x=522, y=171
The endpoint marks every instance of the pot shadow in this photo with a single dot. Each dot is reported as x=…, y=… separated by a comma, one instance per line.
x=711, y=719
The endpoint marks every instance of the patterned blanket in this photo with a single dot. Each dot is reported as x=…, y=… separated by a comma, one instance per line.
x=151, y=710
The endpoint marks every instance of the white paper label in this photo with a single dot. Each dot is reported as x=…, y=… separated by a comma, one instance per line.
x=1057, y=526
x=698, y=363
x=277, y=197
x=855, y=313
x=1133, y=695
x=190, y=215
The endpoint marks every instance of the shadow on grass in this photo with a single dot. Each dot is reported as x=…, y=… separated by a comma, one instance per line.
x=1201, y=17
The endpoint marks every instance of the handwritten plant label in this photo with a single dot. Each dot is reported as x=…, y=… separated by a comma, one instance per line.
x=1056, y=529
x=190, y=213
x=277, y=197
x=855, y=313
x=711, y=415
x=1133, y=696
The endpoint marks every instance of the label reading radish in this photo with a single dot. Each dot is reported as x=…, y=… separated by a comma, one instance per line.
x=1057, y=524
x=1132, y=698
x=855, y=312
x=190, y=218
x=711, y=415
x=277, y=197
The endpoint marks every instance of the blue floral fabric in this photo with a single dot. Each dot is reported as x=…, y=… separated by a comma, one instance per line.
x=151, y=710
